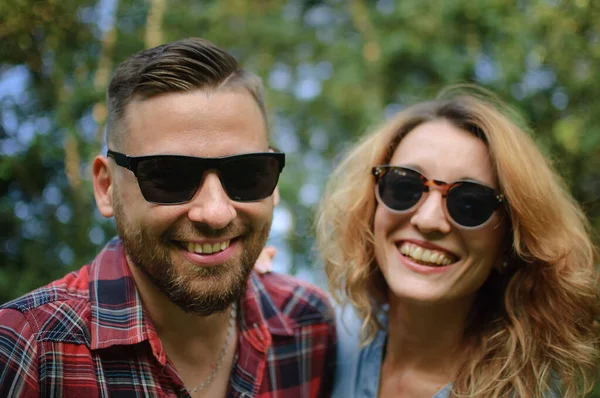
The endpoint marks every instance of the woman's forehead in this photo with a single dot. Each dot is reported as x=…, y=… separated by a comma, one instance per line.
x=443, y=151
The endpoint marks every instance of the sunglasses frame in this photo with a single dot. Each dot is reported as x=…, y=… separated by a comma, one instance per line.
x=380, y=171
x=131, y=163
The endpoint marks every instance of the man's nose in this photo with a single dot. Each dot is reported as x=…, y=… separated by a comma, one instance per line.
x=211, y=205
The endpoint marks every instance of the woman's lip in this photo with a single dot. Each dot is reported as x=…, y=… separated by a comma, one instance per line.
x=428, y=245
x=423, y=269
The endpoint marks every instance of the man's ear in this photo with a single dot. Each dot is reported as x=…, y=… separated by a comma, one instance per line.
x=276, y=196
x=103, y=186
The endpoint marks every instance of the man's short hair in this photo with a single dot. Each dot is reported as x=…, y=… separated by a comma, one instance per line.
x=180, y=66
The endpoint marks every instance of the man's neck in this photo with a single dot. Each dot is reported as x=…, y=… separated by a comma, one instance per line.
x=194, y=344
x=181, y=332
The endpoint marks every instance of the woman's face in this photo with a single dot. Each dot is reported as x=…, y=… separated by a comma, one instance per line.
x=439, y=151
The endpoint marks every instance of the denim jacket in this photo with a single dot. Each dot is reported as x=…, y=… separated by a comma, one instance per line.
x=358, y=369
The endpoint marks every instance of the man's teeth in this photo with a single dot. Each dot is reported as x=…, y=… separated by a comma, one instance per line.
x=207, y=248
x=425, y=256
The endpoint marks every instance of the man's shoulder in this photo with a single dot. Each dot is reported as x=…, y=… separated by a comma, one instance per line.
x=57, y=311
x=299, y=300
x=72, y=286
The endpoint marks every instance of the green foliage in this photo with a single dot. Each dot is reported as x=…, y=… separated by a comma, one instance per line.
x=332, y=69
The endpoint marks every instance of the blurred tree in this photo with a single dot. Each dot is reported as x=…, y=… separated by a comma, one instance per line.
x=48, y=52
x=332, y=69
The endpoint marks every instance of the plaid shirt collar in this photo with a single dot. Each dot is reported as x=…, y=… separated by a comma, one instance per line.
x=118, y=317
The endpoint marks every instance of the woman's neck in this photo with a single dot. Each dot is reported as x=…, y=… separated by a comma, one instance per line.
x=426, y=336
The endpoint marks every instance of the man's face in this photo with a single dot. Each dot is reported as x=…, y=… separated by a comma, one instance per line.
x=200, y=253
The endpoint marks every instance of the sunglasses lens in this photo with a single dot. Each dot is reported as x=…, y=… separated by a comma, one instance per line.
x=175, y=179
x=167, y=180
x=470, y=204
x=248, y=178
x=400, y=189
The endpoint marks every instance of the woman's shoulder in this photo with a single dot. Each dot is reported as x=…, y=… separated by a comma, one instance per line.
x=348, y=339
x=357, y=367
x=348, y=326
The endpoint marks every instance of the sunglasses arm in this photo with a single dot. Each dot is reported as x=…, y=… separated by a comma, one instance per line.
x=120, y=159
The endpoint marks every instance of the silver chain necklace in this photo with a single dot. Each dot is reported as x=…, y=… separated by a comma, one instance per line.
x=221, y=356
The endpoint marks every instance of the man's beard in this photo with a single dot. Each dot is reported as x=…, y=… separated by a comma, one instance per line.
x=195, y=289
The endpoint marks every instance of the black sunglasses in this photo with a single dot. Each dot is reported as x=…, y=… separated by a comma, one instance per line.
x=174, y=179
x=469, y=204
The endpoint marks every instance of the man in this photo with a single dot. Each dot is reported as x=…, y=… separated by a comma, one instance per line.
x=172, y=307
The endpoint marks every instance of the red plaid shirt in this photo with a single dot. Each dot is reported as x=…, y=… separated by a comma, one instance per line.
x=87, y=335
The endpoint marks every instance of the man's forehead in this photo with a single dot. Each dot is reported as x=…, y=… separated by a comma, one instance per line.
x=214, y=122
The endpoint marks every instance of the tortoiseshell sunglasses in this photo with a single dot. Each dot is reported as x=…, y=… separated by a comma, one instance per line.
x=468, y=204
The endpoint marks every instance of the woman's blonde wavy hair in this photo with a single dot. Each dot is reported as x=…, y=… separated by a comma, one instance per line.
x=533, y=326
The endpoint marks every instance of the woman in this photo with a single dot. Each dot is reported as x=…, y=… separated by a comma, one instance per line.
x=468, y=266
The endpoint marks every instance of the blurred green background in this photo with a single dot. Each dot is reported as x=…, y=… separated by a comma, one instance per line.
x=332, y=69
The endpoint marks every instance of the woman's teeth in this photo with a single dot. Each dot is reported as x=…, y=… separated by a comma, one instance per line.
x=425, y=256
x=206, y=248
